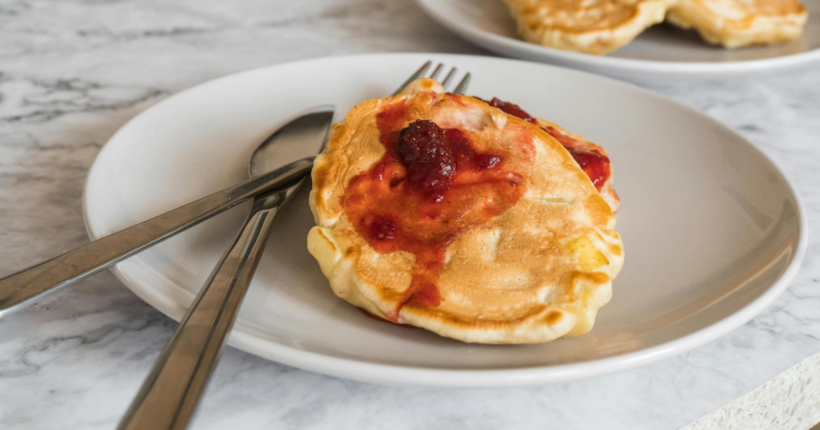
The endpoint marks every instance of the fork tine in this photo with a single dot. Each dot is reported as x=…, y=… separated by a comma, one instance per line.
x=449, y=77
x=417, y=74
x=437, y=71
x=462, y=86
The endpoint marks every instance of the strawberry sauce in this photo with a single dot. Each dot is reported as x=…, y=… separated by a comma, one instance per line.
x=382, y=320
x=430, y=187
x=592, y=162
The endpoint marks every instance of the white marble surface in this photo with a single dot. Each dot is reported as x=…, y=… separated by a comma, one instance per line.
x=72, y=72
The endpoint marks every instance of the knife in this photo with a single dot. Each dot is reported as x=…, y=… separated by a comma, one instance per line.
x=30, y=285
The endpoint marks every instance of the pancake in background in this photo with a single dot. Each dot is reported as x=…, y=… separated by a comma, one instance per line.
x=589, y=26
x=735, y=23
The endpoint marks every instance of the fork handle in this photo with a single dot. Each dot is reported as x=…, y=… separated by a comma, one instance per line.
x=171, y=392
x=30, y=285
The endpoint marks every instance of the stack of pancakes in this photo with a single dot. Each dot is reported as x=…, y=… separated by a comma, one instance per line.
x=534, y=263
x=600, y=26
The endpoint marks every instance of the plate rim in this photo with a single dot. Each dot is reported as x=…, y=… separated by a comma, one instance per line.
x=492, y=42
x=439, y=377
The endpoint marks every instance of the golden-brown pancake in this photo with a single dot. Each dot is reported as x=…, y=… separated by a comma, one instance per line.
x=439, y=211
x=589, y=26
x=591, y=157
x=735, y=23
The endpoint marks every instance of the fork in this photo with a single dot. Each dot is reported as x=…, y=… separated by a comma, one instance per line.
x=460, y=88
x=201, y=358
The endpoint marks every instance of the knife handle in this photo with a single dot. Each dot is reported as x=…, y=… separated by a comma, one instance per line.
x=169, y=396
x=24, y=288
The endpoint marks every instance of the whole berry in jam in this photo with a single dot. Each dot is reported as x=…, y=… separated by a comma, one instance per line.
x=423, y=150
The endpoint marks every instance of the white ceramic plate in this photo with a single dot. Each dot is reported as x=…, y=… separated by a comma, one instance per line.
x=661, y=50
x=713, y=231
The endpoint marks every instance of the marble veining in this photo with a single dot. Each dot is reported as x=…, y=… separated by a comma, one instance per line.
x=73, y=72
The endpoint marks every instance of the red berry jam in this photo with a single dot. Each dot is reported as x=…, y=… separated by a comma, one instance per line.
x=426, y=154
x=430, y=187
x=510, y=108
x=380, y=227
x=593, y=163
x=380, y=319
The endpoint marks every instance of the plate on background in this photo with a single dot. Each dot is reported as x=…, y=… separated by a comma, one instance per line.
x=713, y=231
x=662, y=50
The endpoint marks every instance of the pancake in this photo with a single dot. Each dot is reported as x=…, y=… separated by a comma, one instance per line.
x=589, y=26
x=442, y=212
x=591, y=157
x=735, y=23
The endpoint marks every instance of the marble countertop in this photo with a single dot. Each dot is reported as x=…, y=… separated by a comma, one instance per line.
x=73, y=72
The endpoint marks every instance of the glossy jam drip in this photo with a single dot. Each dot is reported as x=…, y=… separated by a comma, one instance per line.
x=592, y=162
x=510, y=108
x=595, y=165
x=430, y=187
x=380, y=319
